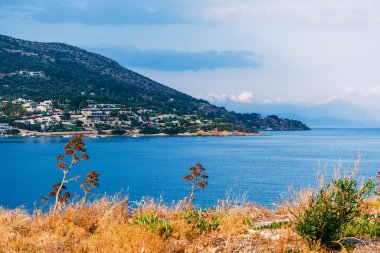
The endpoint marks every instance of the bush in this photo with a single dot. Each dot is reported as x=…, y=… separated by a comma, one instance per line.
x=331, y=210
x=202, y=220
x=101, y=132
x=154, y=224
x=118, y=132
x=13, y=132
x=174, y=130
x=366, y=226
x=149, y=130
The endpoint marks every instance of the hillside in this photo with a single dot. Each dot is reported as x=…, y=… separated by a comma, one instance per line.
x=64, y=72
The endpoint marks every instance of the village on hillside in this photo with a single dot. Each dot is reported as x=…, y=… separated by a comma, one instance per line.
x=52, y=116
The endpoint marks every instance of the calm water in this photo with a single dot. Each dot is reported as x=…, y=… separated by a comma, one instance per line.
x=153, y=166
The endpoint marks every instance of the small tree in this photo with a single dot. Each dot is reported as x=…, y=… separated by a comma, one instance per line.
x=197, y=180
x=91, y=182
x=75, y=151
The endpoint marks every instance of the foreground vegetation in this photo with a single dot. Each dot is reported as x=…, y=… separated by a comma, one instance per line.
x=338, y=216
x=112, y=224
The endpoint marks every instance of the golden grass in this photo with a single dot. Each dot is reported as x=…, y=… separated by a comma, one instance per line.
x=109, y=225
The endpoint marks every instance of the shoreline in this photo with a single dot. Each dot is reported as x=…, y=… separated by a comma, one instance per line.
x=93, y=134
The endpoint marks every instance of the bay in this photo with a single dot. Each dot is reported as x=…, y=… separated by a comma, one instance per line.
x=263, y=167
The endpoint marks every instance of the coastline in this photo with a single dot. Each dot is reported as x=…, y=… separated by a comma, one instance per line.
x=94, y=134
x=220, y=133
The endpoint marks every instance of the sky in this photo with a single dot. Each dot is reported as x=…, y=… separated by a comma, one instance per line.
x=236, y=53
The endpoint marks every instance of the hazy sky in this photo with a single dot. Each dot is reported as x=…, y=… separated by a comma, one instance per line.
x=240, y=51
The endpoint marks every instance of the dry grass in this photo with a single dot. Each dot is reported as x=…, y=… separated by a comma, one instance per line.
x=111, y=225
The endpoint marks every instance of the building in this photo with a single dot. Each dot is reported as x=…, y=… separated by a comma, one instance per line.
x=32, y=73
x=45, y=106
x=30, y=106
x=21, y=101
x=94, y=113
x=4, y=127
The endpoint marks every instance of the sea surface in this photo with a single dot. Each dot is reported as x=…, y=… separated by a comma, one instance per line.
x=262, y=167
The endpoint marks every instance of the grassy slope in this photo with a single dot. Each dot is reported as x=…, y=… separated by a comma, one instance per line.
x=110, y=225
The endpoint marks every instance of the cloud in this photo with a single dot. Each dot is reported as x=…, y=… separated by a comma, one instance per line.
x=297, y=101
x=312, y=11
x=118, y=12
x=247, y=97
x=310, y=49
x=143, y=12
x=349, y=89
x=293, y=101
x=375, y=90
x=244, y=97
x=369, y=90
x=169, y=60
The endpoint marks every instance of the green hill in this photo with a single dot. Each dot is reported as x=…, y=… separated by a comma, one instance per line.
x=71, y=73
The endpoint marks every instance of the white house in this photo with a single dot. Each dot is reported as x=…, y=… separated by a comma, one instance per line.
x=4, y=127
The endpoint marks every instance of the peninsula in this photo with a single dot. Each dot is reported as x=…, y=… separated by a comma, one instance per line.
x=54, y=87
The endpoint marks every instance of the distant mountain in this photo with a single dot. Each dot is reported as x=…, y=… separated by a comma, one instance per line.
x=68, y=72
x=325, y=122
x=337, y=113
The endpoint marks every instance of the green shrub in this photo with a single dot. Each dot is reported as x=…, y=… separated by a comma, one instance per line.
x=13, y=132
x=331, y=210
x=118, y=132
x=149, y=130
x=154, y=224
x=203, y=220
x=174, y=130
x=366, y=226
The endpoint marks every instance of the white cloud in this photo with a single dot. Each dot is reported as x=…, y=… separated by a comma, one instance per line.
x=366, y=90
x=207, y=11
x=276, y=101
x=214, y=97
x=244, y=97
x=310, y=49
x=375, y=90
x=294, y=101
x=299, y=101
x=349, y=89
x=305, y=11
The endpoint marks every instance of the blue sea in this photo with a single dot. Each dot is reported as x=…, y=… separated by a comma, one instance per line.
x=263, y=167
